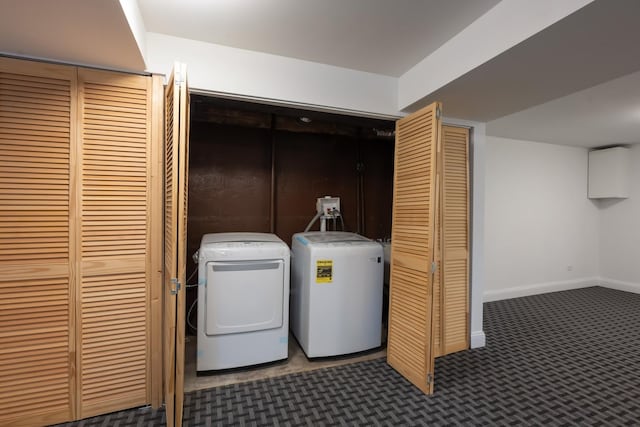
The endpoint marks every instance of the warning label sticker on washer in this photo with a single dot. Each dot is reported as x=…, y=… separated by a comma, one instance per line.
x=324, y=271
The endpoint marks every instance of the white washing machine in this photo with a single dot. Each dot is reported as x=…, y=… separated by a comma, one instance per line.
x=336, y=293
x=243, y=300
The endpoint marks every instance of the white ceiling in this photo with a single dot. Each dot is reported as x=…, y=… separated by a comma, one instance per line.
x=378, y=36
x=596, y=44
x=552, y=87
x=606, y=114
x=93, y=32
x=513, y=92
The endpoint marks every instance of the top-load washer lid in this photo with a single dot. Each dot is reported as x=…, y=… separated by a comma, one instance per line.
x=329, y=237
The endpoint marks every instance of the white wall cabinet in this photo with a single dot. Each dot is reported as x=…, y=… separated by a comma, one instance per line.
x=609, y=173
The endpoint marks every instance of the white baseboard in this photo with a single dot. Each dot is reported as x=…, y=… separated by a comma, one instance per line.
x=540, y=288
x=620, y=285
x=478, y=339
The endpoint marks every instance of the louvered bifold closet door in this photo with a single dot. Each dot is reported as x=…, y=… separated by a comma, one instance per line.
x=455, y=238
x=175, y=234
x=170, y=252
x=113, y=324
x=37, y=103
x=409, y=347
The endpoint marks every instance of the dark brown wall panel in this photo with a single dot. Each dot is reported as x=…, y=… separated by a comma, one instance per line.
x=229, y=181
x=311, y=166
x=377, y=156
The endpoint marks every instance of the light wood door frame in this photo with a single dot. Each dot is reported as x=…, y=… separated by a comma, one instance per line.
x=410, y=337
x=176, y=152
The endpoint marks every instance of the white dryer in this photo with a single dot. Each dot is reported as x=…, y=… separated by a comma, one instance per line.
x=336, y=292
x=243, y=300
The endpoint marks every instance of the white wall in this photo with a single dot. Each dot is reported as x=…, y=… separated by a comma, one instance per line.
x=541, y=230
x=620, y=234
x=260, y=76
x=136, y=23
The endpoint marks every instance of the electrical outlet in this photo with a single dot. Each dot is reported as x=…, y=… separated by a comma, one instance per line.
x=569, y=267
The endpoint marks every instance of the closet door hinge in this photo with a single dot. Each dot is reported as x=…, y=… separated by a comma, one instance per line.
x=434, y=266
x=429, y=378
x=175, y=286
x=438, y=113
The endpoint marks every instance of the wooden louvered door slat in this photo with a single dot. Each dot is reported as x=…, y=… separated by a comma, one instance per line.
x=455, y=239
x=175, y=233
x=438, y=303
x=37, y=142
x=113, y=235
x=410, y=338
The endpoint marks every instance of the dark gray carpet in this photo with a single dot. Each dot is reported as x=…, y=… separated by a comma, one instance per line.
x=567, y=359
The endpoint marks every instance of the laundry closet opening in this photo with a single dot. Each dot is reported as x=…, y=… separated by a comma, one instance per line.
x=260, y=168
